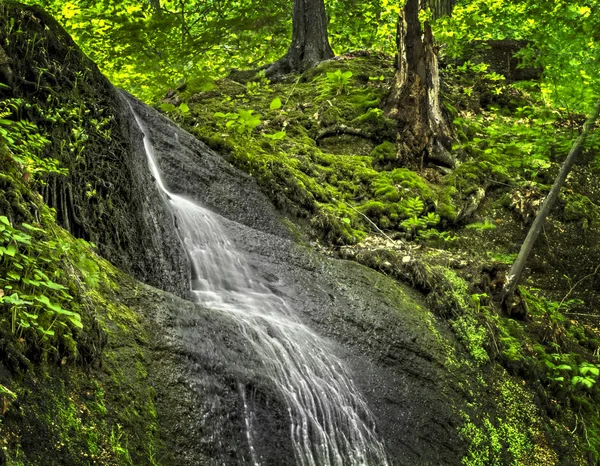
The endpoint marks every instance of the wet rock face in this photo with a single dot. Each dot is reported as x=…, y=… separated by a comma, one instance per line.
x=191, y=169
x=381, y=331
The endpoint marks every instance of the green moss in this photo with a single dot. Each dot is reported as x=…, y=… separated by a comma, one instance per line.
x=384, y=155
x=484, y=442
x=515, y=435
x=474, y=336
x=579, y=208
x=511, y=335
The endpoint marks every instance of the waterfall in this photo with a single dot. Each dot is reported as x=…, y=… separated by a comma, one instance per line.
x=330, y=423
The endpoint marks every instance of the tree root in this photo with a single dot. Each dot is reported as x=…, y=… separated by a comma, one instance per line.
x=342, y=129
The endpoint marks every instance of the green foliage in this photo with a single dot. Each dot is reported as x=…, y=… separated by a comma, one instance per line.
x=26, y=144
x=31, y=292
x=275, y=104
x=588, y=375
x=507, y=436
x=275, y=136
x=180, y=111
x=336, y=82
x=473, y=335
x=559, y=36
x=384, y=155
x=243, y=122
x=541, y=306
x=147, y=50
x=504, y=258
x=558, y=370
x=363, y=25
x=119, y=446
x=579, y=208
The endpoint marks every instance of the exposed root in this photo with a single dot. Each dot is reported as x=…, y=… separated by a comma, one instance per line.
x=342, y=129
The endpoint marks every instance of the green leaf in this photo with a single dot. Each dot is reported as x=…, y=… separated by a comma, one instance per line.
x=53, y=286
x=50, y=305
x=550, y=364
x=10, y=250
x=346, y=220
x=4, y=220
x=167, y=107
x=588, y=368
x=219, y=115
x=184, y=108
x=564, y=367
x=22, y=238
x=246, y=114
x=29, y=281
x=275, y=136
x=275, y=104
x=27, y=226
x=76, y=321
x=15, y=300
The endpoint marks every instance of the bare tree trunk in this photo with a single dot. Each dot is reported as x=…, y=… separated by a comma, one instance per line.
x=423, y=132
x=310, y=42
x=514, y=274
x=440, y=8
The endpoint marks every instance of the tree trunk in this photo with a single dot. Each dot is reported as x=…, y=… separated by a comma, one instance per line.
x=423, y=133
x=310, y=43
x=440, y=8
x=514, y=274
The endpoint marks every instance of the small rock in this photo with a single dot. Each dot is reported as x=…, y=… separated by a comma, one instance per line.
x=406, y=259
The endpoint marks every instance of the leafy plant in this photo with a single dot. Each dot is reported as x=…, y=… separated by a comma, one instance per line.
x=337, y=81
x=413, y=207
x=26, y=144
x=477, y=299
x=275, y=104
x=118, y=445
x=541, y=306
x=243, y=122
x=30, y=288
x=588, y=375
x=558, y=369
x=275, y=136
x=181, y=111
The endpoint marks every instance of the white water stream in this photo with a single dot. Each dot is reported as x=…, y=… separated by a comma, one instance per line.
x=330, y=424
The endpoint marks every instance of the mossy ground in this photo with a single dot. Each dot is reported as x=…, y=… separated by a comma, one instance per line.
x=451, y=236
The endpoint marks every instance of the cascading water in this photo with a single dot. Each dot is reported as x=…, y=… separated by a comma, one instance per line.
x=330, y=424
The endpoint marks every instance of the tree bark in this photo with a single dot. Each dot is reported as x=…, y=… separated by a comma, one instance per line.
x=310, y=42
x=440, y=8
x=514, y=274
x=423, y=133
